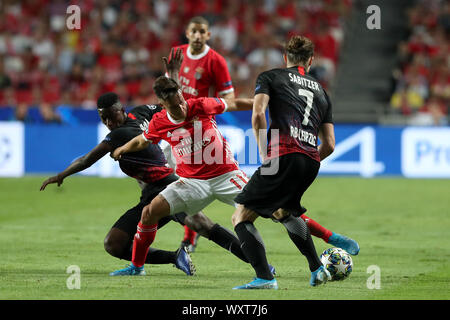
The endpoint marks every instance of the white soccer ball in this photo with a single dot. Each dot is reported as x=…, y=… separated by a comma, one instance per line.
x=338, y=262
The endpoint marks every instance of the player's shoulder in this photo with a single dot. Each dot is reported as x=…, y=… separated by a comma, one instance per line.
x=316, y=83
x=159, y=117
x=213, y=52
x=144, y=109
x=271, y=73
x=194, y=104
x=201, y=100
x=117, y=133
x=159, y=112
x=183, y=47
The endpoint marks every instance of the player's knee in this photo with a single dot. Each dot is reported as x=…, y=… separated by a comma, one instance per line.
x=156, y=210
x=280, y=214
x=146, y=215
x=199, y=223
x=237, y=218
x=113, y=247
x=243, y=214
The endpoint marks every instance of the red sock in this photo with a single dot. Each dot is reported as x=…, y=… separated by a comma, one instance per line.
x=142, y=240
x=316, y=229
x=189, y=234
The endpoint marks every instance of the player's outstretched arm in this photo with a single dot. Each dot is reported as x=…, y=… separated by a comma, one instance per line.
x=239, y=104
x=138, y=143
x=79, y=164
x=327, y=140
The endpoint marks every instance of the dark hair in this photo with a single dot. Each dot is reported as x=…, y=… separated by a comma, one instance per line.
x=107, y=100
x=299, y=49
x=198, y=20
x=165, y=87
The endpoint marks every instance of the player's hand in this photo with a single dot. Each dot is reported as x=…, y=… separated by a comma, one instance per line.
x=117, y=154
x=55, y=179
x=174, y=63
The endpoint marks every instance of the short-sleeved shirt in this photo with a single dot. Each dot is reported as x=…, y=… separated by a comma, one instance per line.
x=298, y=106
x=204, y=75
x=148, y=165
x=200, y=150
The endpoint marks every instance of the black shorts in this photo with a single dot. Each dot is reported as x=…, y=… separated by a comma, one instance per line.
x=265, y=193
x=129, y=220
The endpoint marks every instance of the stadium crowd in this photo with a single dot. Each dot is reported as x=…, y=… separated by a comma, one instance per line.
x=421, y=80
x=120, y=44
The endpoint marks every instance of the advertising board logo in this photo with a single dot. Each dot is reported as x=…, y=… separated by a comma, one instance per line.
x=426, y=152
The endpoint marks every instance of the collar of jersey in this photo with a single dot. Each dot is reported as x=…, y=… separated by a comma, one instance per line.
x=173, y=120
x=197, y=56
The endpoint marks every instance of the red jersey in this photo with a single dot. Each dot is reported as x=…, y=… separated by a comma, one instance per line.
x=204, y=75
x=200, y=150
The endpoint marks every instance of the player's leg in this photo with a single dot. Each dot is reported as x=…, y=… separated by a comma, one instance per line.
x=192, y=195
x=226, y=187
x=145, y=235
x=173, y=199
x=240, y=179
x=216, y=233
x=190, y=239
x=299, y=234
x=333, y=238
x=119, y=243
x=253, y=247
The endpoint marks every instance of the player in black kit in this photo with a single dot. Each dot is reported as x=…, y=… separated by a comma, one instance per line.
x=300, y=112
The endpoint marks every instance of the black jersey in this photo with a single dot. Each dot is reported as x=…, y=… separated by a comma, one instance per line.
x=298, y=106
x=148, y=165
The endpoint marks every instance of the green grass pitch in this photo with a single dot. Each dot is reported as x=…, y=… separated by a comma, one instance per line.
x=402, y=227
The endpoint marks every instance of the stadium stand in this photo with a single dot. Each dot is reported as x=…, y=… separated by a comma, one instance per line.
x=361, y=88
x=51, y=74
x=421, y=78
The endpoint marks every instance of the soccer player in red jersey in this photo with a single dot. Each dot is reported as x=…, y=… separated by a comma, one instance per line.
x=203, y=73
x=205, y=163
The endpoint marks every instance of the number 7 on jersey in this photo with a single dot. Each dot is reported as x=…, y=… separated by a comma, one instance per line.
x=309, y=101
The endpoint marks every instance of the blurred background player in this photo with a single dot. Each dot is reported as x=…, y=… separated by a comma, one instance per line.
x=203, y=73
x=300, y=112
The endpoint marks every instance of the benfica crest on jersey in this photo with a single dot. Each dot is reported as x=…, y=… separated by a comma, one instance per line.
x=198, y=73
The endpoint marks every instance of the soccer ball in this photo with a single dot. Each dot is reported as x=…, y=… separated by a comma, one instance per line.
x=338, y=262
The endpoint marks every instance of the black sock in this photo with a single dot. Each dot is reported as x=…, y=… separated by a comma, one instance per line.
x=162, y=222
x=299, y=234
x=253, y=247
x=157, y=256
x=154, y=256
x=227, y=240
